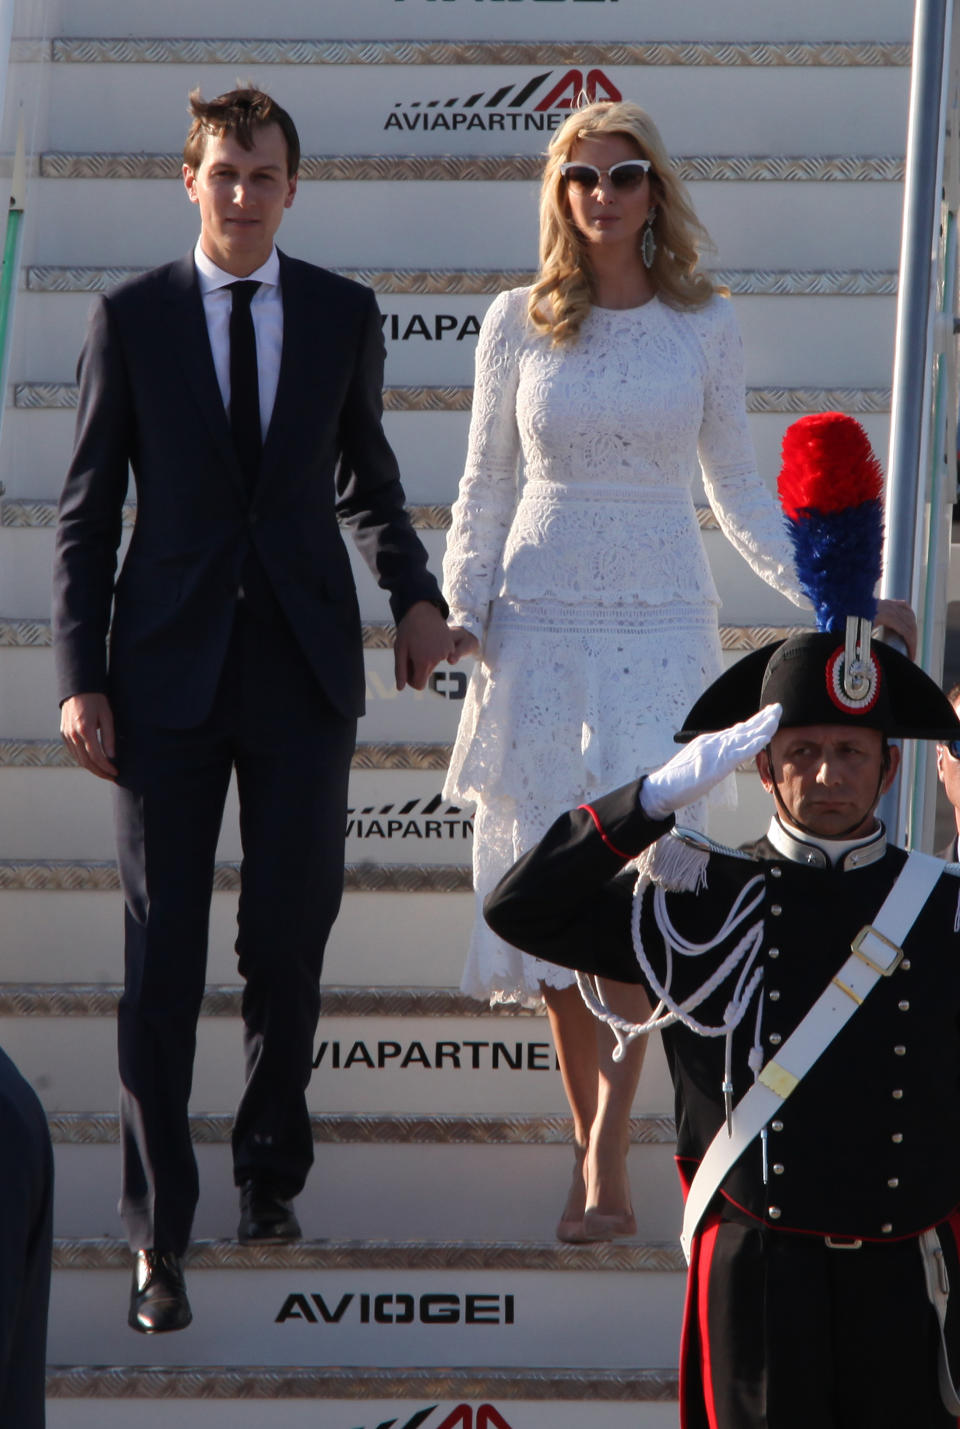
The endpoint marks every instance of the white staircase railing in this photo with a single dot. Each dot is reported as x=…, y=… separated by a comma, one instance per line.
x=922, y=479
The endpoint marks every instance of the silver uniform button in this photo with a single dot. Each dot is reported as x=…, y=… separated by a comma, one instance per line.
x=774, y=1212
x=776, y=1126
x=773, y=995
x=774, y=1039
x=900, y=1051
x=897, y=1137
x=893, y=1182
x=775, y=910
x=886, y=1228
x=904, y=1006
x=897, y=1095
x=778, y=1170
x=773, y=952
x=776, y=872
x=905, y=965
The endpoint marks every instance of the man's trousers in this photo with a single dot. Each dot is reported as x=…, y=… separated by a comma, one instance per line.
x=783, y=1332
x=291, y=752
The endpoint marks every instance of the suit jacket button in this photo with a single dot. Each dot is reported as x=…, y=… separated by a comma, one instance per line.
x=774, y=1212
x=893, y=1182
x=887, y=1228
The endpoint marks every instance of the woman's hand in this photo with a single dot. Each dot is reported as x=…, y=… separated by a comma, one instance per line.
x=464, y=643
x=898, y=618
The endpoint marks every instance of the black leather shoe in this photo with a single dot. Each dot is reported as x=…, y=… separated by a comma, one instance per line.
x=265, y=1217
x=158, y=1296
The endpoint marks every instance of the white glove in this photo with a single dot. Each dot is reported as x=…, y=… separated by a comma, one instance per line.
x=706, y=760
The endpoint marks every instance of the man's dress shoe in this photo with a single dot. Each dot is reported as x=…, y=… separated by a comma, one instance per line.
x=265, y=1217
x=158, y=1296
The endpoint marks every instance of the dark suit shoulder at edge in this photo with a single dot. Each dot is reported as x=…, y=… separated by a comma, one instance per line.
x=145, y=287
x=322, y=280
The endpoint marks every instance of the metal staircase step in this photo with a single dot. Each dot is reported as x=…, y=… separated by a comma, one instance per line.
x=46, y=396
x=796, y=283
x=379, y=1303
x=613, y=1396
x=153, y=51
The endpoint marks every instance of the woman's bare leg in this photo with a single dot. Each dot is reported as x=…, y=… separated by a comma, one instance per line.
x=574, y=1036
x=608, y=1208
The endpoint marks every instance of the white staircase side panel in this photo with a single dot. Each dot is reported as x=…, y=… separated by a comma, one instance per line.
x=379, y=939
x=808, y=224
x=436, y=1064
x=66, y=813
x=492, y=19
x=617, y=1319
x=431, y=341
x=397, y=1193
x=26, y=561
x=385, y=109
x=351, y=1413
x=430, y=447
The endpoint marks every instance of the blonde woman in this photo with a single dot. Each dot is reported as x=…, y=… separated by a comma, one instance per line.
x=575, y=569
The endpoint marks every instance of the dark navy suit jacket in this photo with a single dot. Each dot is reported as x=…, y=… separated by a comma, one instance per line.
x=149, y=399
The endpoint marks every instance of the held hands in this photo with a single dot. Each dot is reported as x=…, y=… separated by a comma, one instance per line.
x=423, y=640
x=464, y=643
x=704, y=762
x=86, y=726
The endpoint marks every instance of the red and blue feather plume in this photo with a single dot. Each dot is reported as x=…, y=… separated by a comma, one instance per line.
x=831, y=491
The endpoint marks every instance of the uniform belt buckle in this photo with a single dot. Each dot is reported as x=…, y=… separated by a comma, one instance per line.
x=842, y=1242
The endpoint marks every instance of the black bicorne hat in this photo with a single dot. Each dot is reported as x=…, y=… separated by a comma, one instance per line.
x=830, y=488
x=805, y=675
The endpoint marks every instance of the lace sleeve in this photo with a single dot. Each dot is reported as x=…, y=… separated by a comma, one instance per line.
x=488, y=489
x=746, y=510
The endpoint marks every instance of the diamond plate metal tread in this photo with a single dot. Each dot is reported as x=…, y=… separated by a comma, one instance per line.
x=108, y=50
x=19, y=514
x=65, y=876
x=334, y=1129
x=739, y=168
x=35, y=514
x=854, y=400
x=356, y=1382
x=35, y=635
x=766, y=282
x=53, y=754
x=387, y=1255
x=101, y=999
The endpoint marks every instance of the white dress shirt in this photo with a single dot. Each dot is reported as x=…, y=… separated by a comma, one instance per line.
x=266, y=310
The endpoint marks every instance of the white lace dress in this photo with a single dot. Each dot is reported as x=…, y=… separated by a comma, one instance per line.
x=576, y=558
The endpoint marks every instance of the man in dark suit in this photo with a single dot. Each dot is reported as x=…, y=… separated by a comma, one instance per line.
x=26, y=1239
x=250, y=413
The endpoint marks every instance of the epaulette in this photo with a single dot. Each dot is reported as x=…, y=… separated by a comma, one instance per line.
x=678, y=861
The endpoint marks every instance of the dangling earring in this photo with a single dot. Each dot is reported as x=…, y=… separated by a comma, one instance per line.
x=648, y=242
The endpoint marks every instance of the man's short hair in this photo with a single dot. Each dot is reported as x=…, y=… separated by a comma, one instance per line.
x=238, y=113
x=953, y=694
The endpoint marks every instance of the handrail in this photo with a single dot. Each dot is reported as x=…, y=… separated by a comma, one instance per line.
x=921, y=485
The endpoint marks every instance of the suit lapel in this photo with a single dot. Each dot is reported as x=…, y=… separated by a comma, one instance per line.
x=190, y=342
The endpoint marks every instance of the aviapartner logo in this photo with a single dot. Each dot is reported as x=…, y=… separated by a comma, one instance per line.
x=462, y=1417
x=538, y=103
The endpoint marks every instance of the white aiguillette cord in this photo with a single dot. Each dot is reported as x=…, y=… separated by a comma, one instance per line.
x=876, y=953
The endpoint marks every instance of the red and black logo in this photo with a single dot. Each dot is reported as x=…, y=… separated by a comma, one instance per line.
x=540, y=103
x=463, y=1417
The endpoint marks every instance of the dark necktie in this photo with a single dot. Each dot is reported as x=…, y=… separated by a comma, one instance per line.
x=244, y=383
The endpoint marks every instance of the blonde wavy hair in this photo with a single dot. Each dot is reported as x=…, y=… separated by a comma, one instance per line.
x=561, y=297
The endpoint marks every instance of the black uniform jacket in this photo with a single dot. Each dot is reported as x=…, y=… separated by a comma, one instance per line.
x=149, y=400
x=868, y=1145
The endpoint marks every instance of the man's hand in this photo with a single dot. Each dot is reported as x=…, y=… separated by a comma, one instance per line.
x=423, y=640
x=704, y=762
x=464, y=643
x=897, y=617
x=86, y=725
